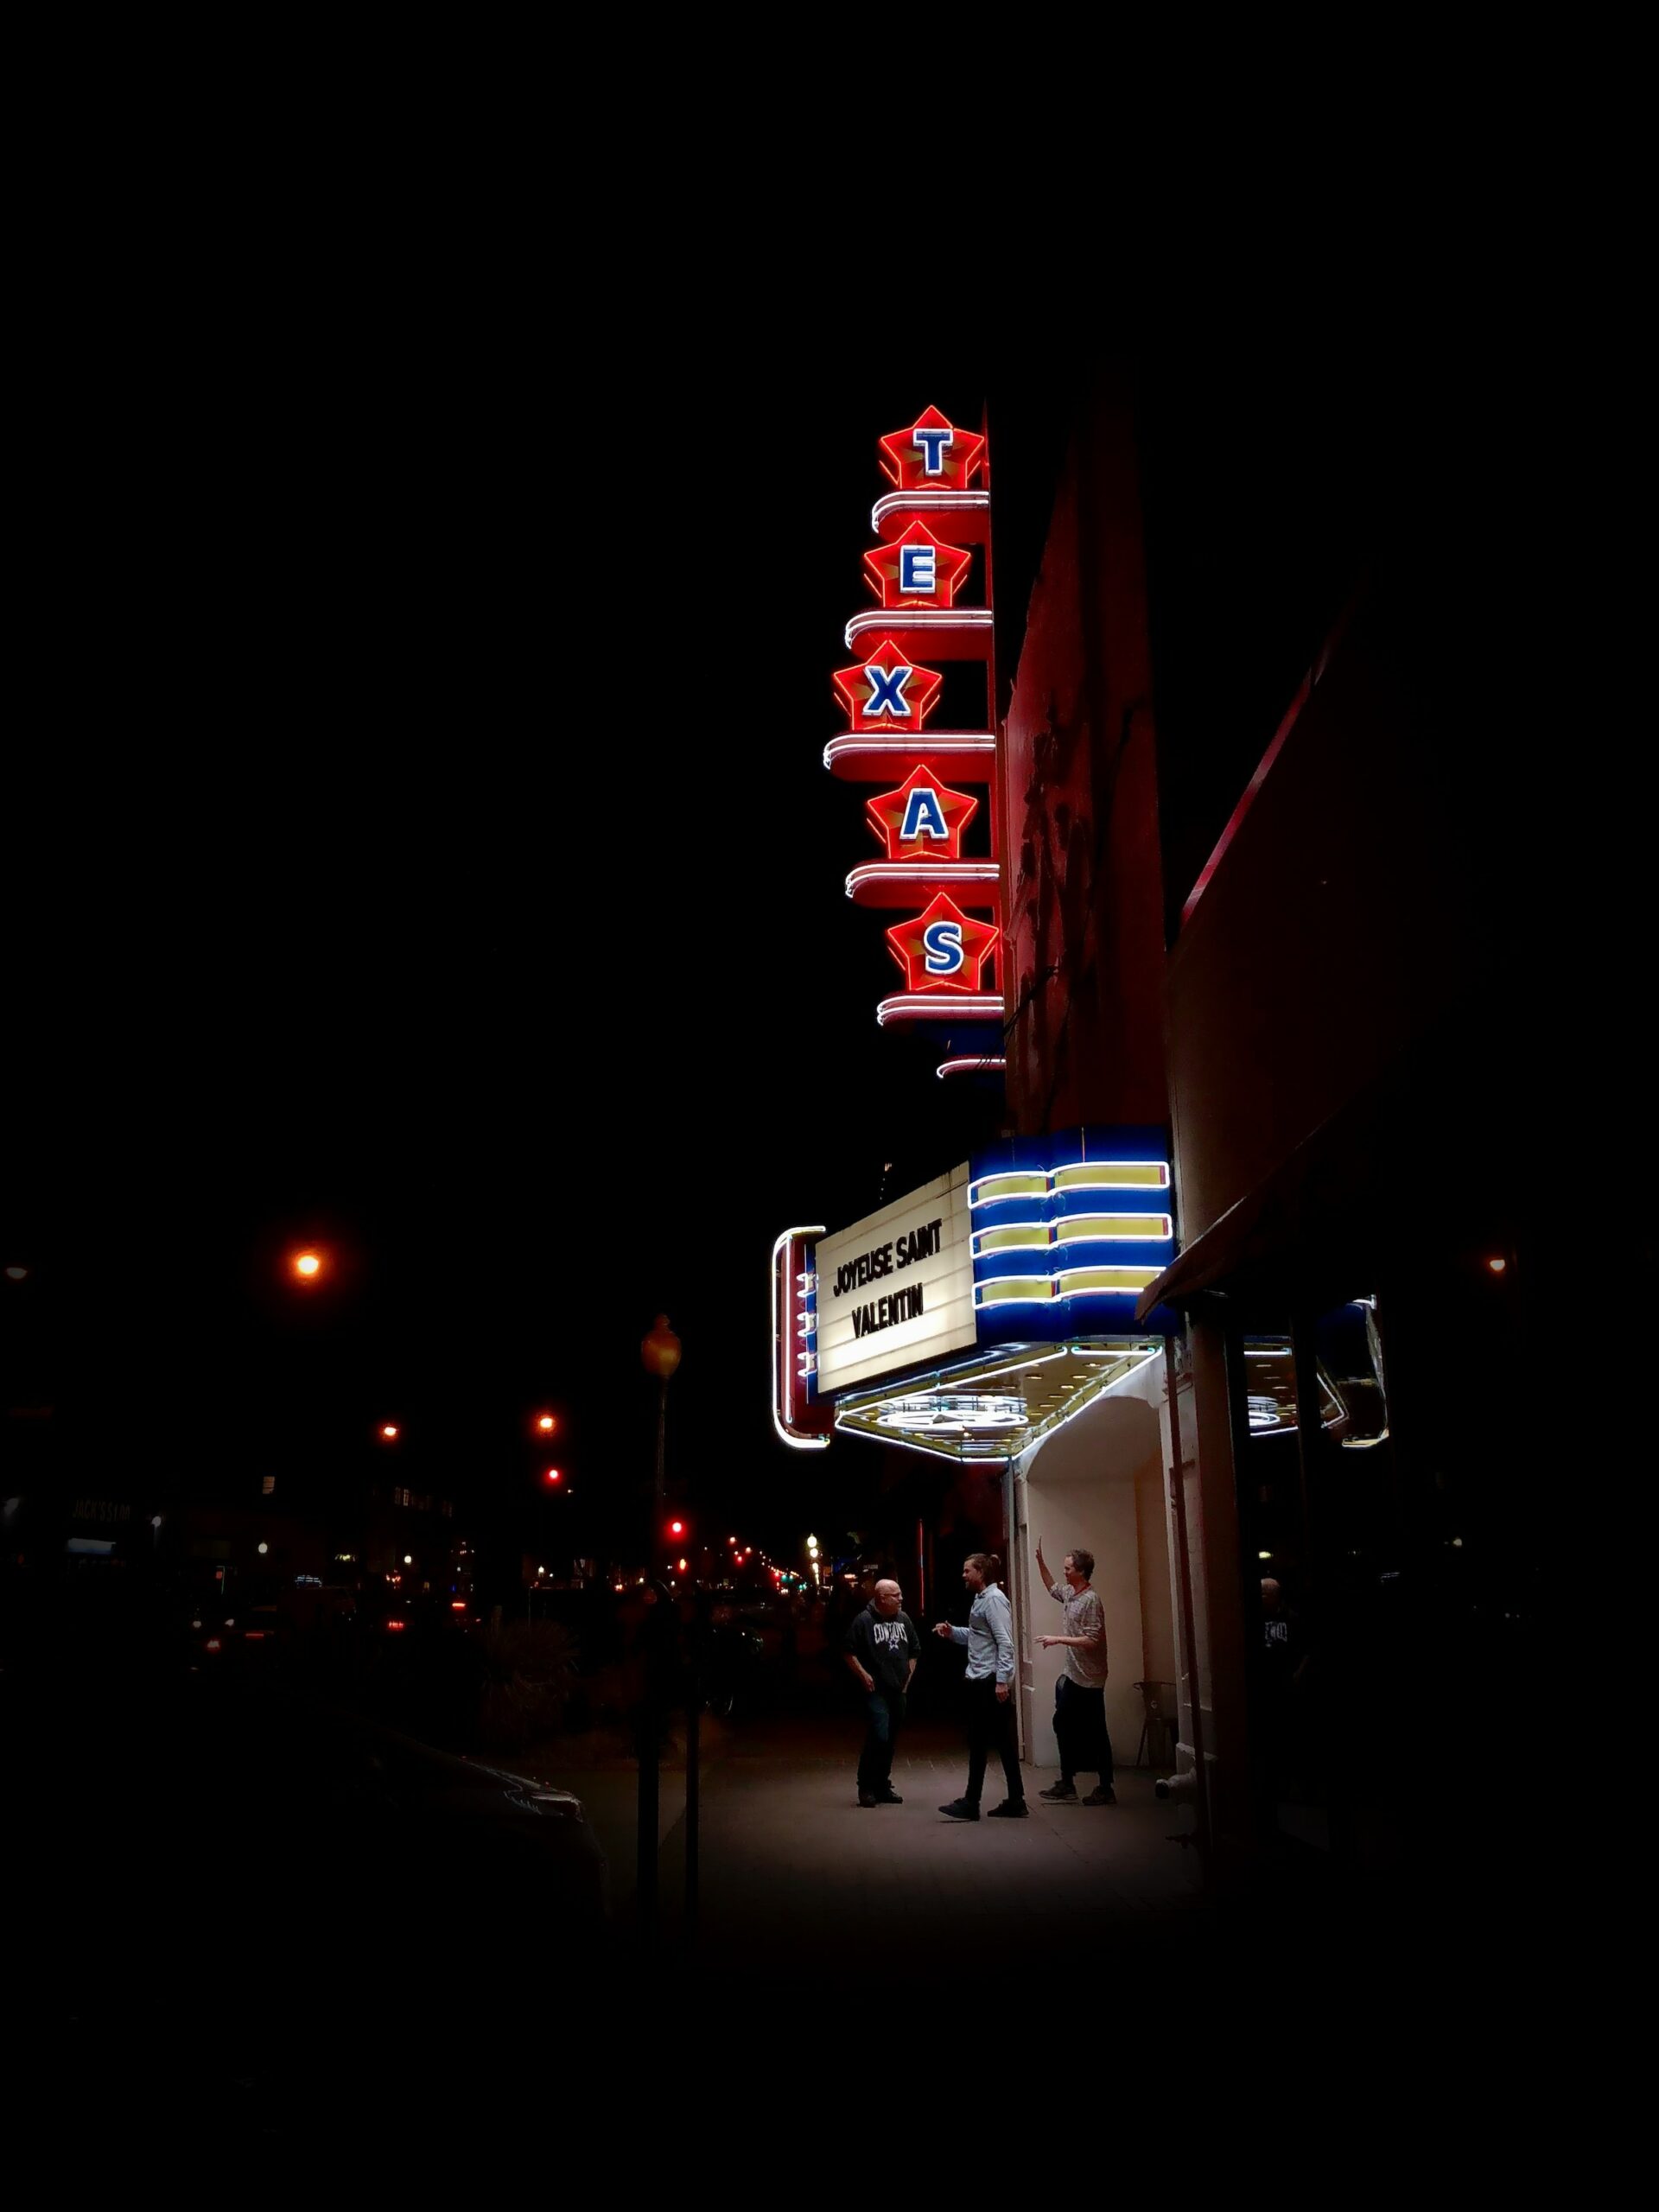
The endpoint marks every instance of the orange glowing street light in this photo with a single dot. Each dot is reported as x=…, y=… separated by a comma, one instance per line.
x=546, y=1423
x=389, y=1430
x=308, y=1266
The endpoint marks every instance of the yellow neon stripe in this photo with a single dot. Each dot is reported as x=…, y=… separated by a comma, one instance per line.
x=1079, y=1227
x=1111, y=1175
x=1024, y=1236
x=1008, y=1287
x=993, y=1188
x=1075, y=1281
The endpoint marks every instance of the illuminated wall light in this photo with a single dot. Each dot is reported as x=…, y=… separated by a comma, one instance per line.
x=1497, y=1266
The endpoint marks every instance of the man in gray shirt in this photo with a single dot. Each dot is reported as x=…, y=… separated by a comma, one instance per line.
x=1080, y=1693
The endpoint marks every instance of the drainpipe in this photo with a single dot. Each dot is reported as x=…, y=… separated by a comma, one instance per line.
x=1190, y=1784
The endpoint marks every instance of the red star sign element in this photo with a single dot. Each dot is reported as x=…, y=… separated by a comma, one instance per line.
x=916, y=569
x=941, y=950
x=887, y=692
x=936, y=818
x=931, y=455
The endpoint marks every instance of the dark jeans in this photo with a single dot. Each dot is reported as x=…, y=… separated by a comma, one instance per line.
x=884, y=1717
x=990, y=1724
x=1080, y=1731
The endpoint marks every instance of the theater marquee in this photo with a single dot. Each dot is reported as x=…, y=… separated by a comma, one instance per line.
x=897, y=1288
x=977, y=1313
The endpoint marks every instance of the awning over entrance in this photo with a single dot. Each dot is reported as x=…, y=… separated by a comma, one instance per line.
x=993, y=1405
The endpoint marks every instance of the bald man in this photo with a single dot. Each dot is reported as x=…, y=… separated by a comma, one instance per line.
x=883, y=1648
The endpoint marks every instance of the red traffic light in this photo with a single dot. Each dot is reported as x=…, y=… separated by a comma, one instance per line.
x=553, y=1477
x=676, y=1527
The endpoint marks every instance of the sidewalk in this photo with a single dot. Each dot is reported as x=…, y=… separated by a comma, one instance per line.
x=793, y=1871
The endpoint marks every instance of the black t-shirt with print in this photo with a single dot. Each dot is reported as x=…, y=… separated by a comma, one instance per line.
x=884, y=1646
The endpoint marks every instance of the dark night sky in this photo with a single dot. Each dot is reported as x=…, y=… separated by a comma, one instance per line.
x=421, y=839
x=427, y=848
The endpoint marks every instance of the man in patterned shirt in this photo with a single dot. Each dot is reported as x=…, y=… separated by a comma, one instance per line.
x=1080, y=1693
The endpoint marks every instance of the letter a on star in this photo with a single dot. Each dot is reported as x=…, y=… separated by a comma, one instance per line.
x=922, y=820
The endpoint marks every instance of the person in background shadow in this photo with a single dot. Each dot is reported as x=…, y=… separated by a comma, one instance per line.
x=653, y=1665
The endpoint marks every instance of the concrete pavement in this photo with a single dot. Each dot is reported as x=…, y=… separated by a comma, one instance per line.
x=793, y=1871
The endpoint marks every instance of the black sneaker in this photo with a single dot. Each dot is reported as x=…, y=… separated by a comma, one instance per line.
x=867, y=1797
x=1101, y=1795
x=1061, y=1790
x=888, y=1797
x=1011, y=1809
x=960, y=1809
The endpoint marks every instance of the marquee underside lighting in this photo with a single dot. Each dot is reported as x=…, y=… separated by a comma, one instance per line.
x=996, y=1405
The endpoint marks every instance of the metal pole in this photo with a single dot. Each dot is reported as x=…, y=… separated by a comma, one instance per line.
x=646, y=1854
x=693, y=1727
x=1189, y=1636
